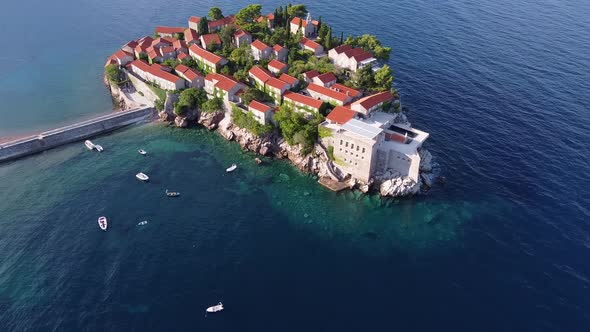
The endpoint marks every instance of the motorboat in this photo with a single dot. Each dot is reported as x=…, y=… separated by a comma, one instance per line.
x=172, y=193
x=98, y=148
x=142, y=176
x=142, y=223
x=89, y=145
x=102, y=223
x=231, y=168
x=142, y=152
x=215, y=308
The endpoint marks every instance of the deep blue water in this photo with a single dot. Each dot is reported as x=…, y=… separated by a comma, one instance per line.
x=502, y=87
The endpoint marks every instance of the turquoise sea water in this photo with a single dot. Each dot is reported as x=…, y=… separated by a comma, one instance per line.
x=503, y=246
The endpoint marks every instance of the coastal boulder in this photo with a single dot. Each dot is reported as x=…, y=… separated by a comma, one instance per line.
x=397, y=187
x=210, y=120
x=165, y=116
x=425, y=160
x=181, y=122
x=171, y=99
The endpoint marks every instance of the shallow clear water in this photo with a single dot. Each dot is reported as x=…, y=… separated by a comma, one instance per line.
x=502, y=88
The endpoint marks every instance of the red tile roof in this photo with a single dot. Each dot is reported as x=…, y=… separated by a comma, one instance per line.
x=190, y=35
x=287, y=78
x=269, y=17
x=111, y=61
x=258, y=106
x=342, y=48
x=259, y=45
x=299, y=98
x=153, y=54
x=206, y=55
x=146, y=39
x=210, y=39
x=342, y=97
x=155, y=70
x=222, y=22
x=277, y=48
x=326, y=78
x=161, y=40
x=260, y=73
x=194, y=19
x=120, y=54
x=352, y=52
x=179, y=44
x=344, y=89
x=309, y=43
x=341, y=115
x=241, y=33
x=224, y=83
x=374, y=100
x=276, y=64
x=277, y=84
x=165, y=50
x=131, y=44
x=189, y=73
x=311, y=74
x=181, y=56
x=169, y=30
x=363, y=56
x=297, y=20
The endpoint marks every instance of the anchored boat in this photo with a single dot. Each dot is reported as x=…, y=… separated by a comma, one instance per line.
x=142, y=152
x=215, y=308
x=98, y=148
x=142, y=176
x=231, y=168
x=89, y=145
x=172, y=193
x=102, y=223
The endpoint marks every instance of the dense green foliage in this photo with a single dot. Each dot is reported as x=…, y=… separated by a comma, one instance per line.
x=247, y=15
x=172, y=63
x=324, y=132
x=330, y=153
x=215, y=13
x=246, y=120
x=159, y=104
x=252, y=94
x=212, y=105
x=383, y=78
x=297, y=11
x=190, y=98
x=158, y=91
x=370, y=43
x=296, y=129
x=112, y=72
x=203, y=26
x=303, y=61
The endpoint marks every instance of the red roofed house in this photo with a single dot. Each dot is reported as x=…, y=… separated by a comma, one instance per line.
x=259, y=75
x=340, y=115
x=111, y=61
x=292, y=81
x=270, y=18
x=308, y=27
x=224, y=87
x=301, y=103
x=153, y=73
x=349, y=91
x=210, y=41
x=208, y=61
x=191, y=36
x=262, y=112
x=130, y=46
x=193, y=23
x=350, y=58
x=122, y=57
x=280, y=53
x=327, y=79
x=180, y=46
x=308, y=76
x=310, y=45
x=161, y=42
x=276, y=67
x=162, y=31
x=260, y=50
x=371, y=103
x=193, y=78
x=215, y=26
x=336, y=51
x=183, y=56
x=328, y=95
x=276, y=88
x=242, y=37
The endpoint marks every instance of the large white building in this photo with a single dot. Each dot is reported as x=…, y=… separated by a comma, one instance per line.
x=224, y=87
x=369, y=144
x=210, y=62
x=345, y=56
x=156, y=74
x=308, y=27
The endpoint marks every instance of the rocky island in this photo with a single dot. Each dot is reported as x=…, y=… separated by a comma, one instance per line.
x=281, y=85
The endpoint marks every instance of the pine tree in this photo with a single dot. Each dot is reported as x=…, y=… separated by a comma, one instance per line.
x=203, y=26
x=319, y=23
x=328, y=43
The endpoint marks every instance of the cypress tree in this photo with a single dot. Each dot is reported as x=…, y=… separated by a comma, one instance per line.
x=342, y=38
x=328, y=42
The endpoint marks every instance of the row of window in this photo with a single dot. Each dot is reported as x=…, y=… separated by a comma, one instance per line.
x=351, y=153
x=351, y=146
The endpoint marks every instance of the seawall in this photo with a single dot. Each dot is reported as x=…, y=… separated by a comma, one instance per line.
x=75, y=132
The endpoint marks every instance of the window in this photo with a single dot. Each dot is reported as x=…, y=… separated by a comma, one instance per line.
x=352, y=146
x=340, y=142
x=357, y=147
x=363, y=150
x=346, y=144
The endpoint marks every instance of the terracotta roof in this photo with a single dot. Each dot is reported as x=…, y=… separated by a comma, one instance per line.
x=189, y=73
x=153, y=54
x=110, y=61
x=194, y=19
x=161, y=40
x=296, y=21
x=165, y=50
x=155, y=70
x=342, y=48
x=179, y=44
x=204, y=54
x=374, y=100
x=269, y=17
x=363, y=56
x=287, y=78
x=210, y=39
x=181, y=68
x=146, y=39
x=181, y=56
x=170, y=30
x=340, y=115
x=326, y=78
x=328, y=92
x=141, y=48
x=277, y=84
x=311, y=74
x=259, y=45
x=241, y=33
x=260, y=73
x=352, y=52
x=131, y=44
x=309, y=43
x=299, y=98
x=190, y=35
x=224, y=83
x=277, y=48
x=276, y=64
x=120, y=54
x=258, y=106
x=345, y=89
x=141, y=65
x=221, y=22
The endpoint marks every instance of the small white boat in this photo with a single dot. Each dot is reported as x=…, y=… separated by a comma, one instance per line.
x=215, y=308
x=98, y=148
x=89, y=145
x=172, y=193
x=231, y=168
x=142, y=223
x=142, y=152
x=142, y=176
x=102, y=223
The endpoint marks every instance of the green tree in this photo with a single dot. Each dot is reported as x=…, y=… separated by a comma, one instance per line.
x=159, y=103
x=212, y=105
x=350, y=40
x=112, y=72
x=279, y=36
x=242, y=56
x=383, y=78
x=248, y=14
x=341, y=38
x=226, y=34
x=190, y=98
x=215, y=13
x=252, y=94
x=364, y=78
x=322, y=33
x=328, y=41
x=203, y=26
x=172, y=63
x=372, y=44
x=297, y=11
